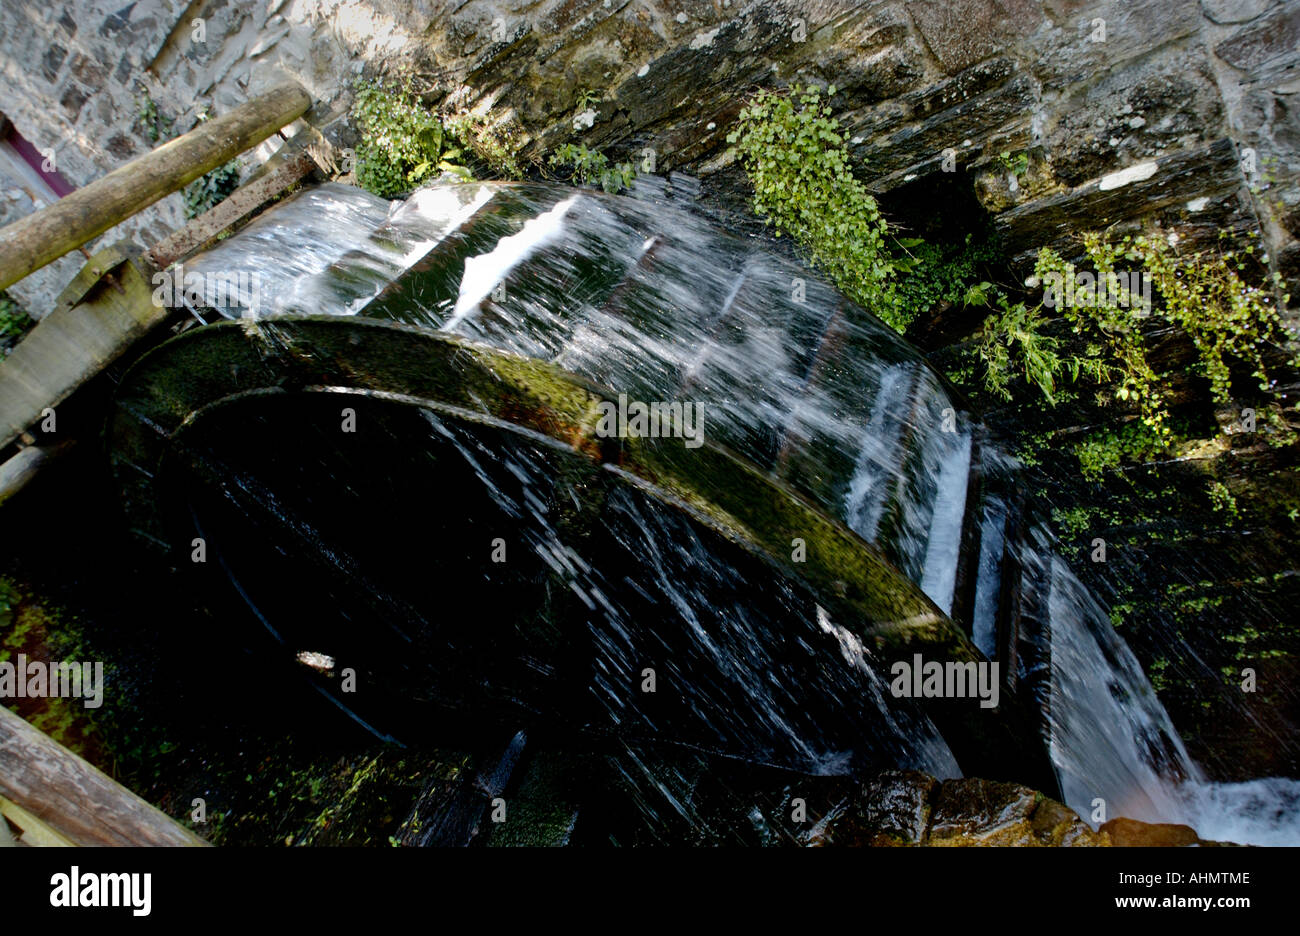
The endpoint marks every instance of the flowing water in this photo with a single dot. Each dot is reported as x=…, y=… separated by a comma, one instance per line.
x=654, y=303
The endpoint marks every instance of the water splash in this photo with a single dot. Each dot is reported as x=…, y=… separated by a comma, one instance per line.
x=1111, y=739
x=661, y=306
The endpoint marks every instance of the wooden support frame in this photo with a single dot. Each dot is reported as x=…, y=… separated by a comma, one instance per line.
x=108, y=305
x=42, y=237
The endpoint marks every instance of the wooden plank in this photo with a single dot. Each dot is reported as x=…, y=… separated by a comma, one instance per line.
x=34, y=831
x=108, y=305
x=73, y=344
x=31, y=242
x=73, y=799
x=6, y=836
x=234, y=208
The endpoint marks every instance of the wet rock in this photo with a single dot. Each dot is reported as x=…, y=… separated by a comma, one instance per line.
x=1135, y=112
x=891, y=809
x=1086, y=40
x=910, y=808
x=871, y=57
x=1140, y=189
x=910, y=135
x=1129, y=833
x=980, y=812
x=1056, y=824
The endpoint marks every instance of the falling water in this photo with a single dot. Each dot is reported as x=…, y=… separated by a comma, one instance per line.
x=824, y=398
x=1112, y=740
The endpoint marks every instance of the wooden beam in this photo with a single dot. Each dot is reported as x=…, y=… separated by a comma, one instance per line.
x=71, y=798
x=74, y=343
x=17, y=471
x=233, y=209
x=31, y=242
x=108, y=305
x=34, y=831
x=305, y=152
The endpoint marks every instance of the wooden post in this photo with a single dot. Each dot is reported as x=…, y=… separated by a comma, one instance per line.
x=73, y=800
x=76, y=341
x=17, y=471
x=31, y=242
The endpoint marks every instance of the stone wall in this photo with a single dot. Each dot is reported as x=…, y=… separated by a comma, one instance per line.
x=1176, y=112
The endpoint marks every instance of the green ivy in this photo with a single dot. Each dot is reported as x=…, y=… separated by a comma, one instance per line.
x=1204, y=297
x=799, y=164
x=1016, y=165
x=402, y=143
x=592, y=167
x=938, y=274
x=205, y=193
x=1013, y=342
x=13, y=318
x=493, y=146
x=14, y=323
x=1106, y=449
x=156, y=125
x=1222, y=501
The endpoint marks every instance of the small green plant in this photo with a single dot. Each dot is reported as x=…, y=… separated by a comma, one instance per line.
x=1106, y=449
x=1112, y=332
x=1017, y=165
x=1226, y=318
x=14, y=322
x=1229, y=322
x=156, y=125
x=591, y=167
x=493, y=145
x=1266, y=177
x=941, y=273
x=800, y=167
x=1012, y=342
x=205, y=193
x=1222, y=501
x=401, y=143
x=1280, y=434
x=1204, y=297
